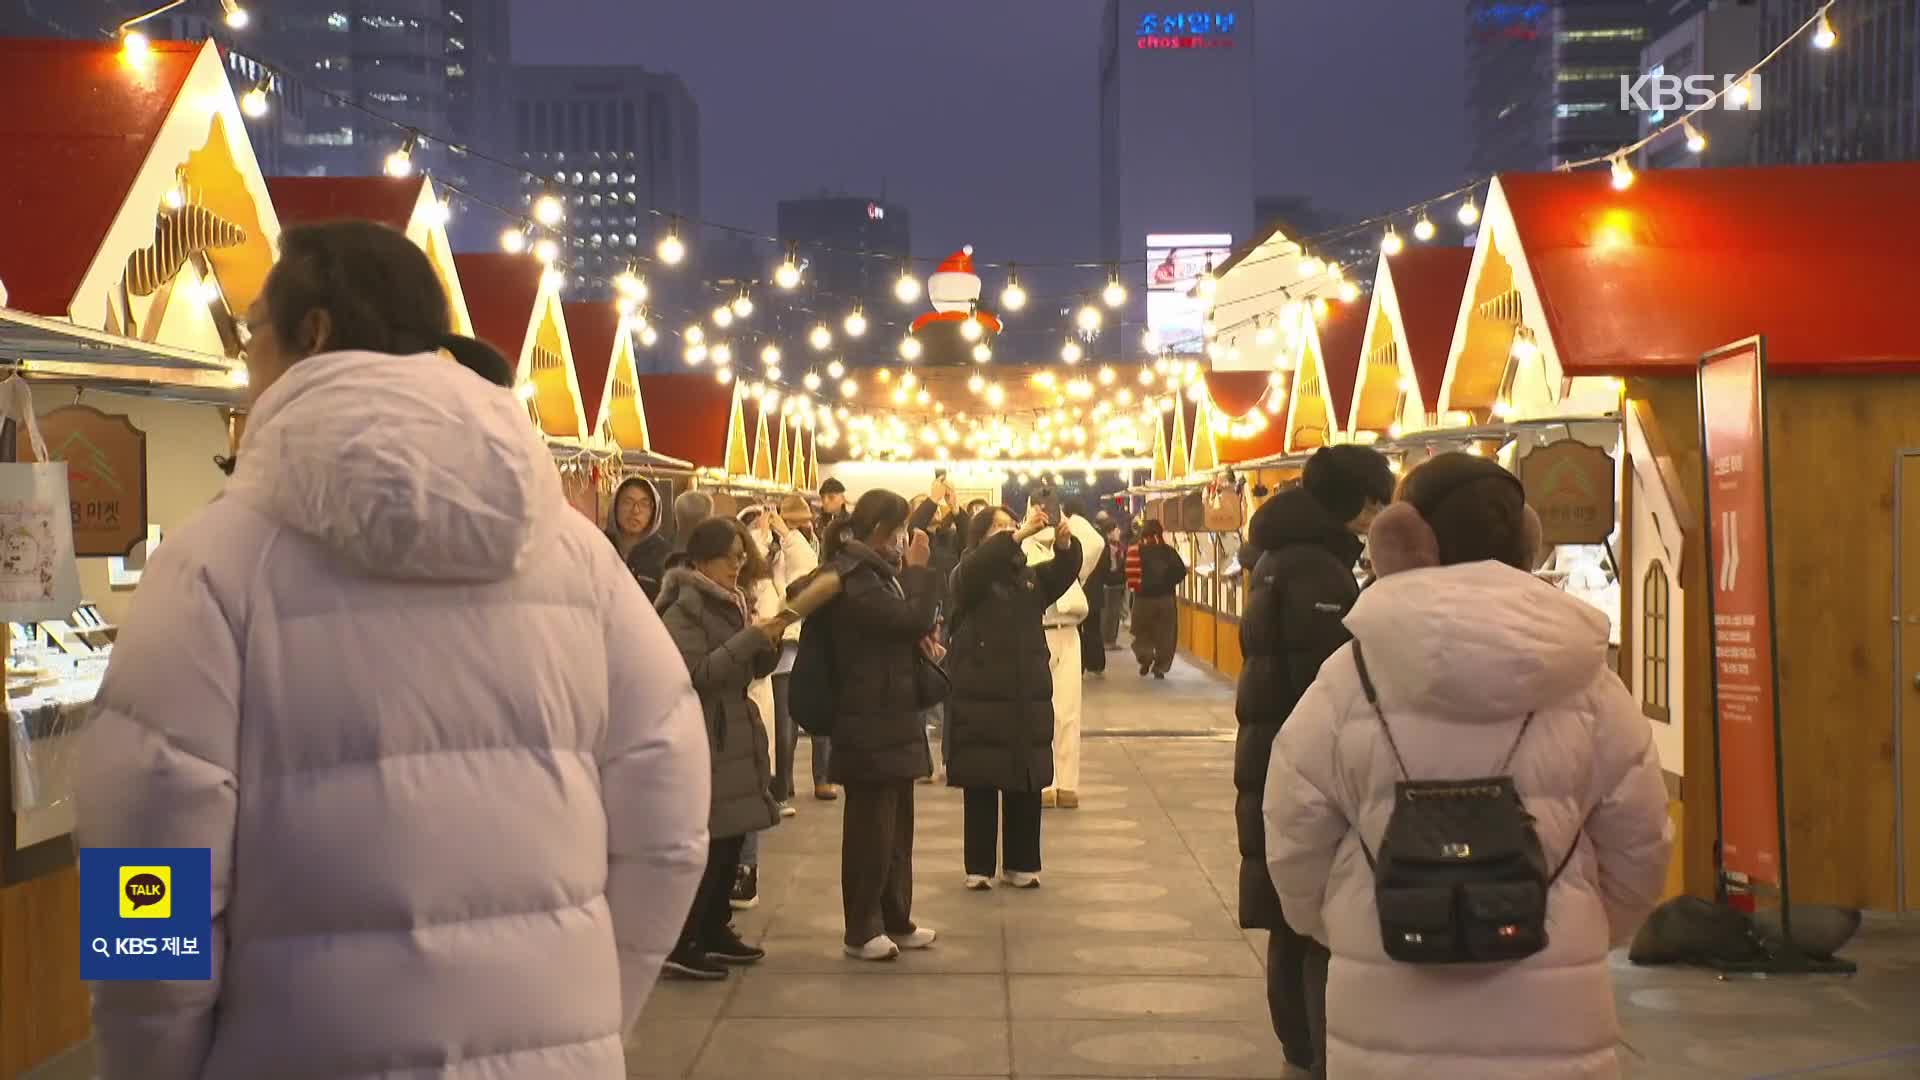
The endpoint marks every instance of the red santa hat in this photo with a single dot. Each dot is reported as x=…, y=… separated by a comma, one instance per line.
x=960, y=262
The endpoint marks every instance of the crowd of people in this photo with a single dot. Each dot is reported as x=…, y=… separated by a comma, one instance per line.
x=474, y=770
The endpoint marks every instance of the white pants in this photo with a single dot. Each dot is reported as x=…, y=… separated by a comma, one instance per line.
x=1063, y=648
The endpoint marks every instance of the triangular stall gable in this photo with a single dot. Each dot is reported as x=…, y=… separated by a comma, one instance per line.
x=609, y=376
x=1416, y=297
x=762, y=444
x=1328, y=365
x=738, y=459
x=516, y=306
x=408, y=204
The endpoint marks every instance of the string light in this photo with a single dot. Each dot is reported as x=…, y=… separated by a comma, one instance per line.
x=648, y=335
x=1741, y=94
x=856, y=323
x=174, y=198
x=982, y=353
x=787, y=274
x=1013, y=297
x=1107, y=376
x=976, y=384
x=907, y=288
x=1423, y=229
x=849, y=388
x=811, y=381
x=546, y=249
x=723, y=316
x=548, y=210
x=723, y=376
x=1696, y=142
x=670, y=249
x=630, y=285
x=1311, y=266
x=1149, y=341
x=254, y=102
x=136, y=48
x=400, y=162
x=972, y=329
x=1115, y=294
x=1349, y=292
x=770, y=356
x=1469, y=213
x=1071, y=352
x=742, y=305
x=821, y=338
x=910, y=348
x=1088, y=319
x=694, y=335
x=1622, y=173
x=835, y=369
x=1391, y=242
x=1824, y=37
x=722, y=354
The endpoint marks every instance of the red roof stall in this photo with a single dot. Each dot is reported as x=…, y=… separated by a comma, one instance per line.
x=1326, y=367
x=1416, y=299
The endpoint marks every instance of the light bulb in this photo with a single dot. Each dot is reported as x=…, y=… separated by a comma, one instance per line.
x=1311, y=266
x=624, y=306
x=981, y=353
x=1391, y=242
x=1469, y=213
x=811, y=381
x=821, y=338
x=1823, y=36
x=136, y=48
x=1088, y=319
x=773, y=372
x=546, y=249
x=694, y=335
x=648, y=335
x=787, y=274
x=1503, y=409
x=1696, y=142
x=630, y=285
x=237, y=18
x=1107, y=375
x=695, y=354
x=1146, y=376
x=670, y=249
x=722, y=353
x=1423, y=229
x=742, y=306
x=254, y=102
x=1115, y=294
x=899, y=395
x=400, y=162
x=836, y=369
x=976, y=384
x=856, y=323
x=1149, y=341
x=1013, y=297
x=1320, y=308
x=1740, y=95
x=907, y=288
x=1071, y=352
x=175, y=198
x=910, y=348
x=1622, y=174
x=207, y=291
x=1349, y=292
x=438, y=212
x=996, y=396
x=922, y=398
x=723, y=316
x=723, y=376
x=770, y=356
x=849, y=388
x=548, y=211
x=512, y=241
x=972, y=329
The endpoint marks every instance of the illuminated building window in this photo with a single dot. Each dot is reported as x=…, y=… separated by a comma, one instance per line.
x=337, y=20
x=1622, y=33
x=1592, y=74
x=1656, y=631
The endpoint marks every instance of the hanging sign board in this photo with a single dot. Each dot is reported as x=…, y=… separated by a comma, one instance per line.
x=106, y=460
x=1570, y=485
x=1746, y=689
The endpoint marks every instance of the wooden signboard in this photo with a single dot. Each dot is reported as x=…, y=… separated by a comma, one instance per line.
x=1570, y=485
x=106, y=460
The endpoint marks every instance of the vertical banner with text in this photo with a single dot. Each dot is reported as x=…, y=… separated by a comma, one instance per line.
x=1739, y=538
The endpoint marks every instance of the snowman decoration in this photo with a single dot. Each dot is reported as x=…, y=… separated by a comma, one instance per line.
x=957, y=329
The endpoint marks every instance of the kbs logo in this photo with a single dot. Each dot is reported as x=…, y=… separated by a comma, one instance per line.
x=1658, y=92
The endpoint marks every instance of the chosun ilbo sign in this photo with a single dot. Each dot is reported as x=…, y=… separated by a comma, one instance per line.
x=1658, y=92
x=146, y=913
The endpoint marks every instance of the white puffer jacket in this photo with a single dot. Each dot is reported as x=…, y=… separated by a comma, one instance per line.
x=449, y=763
x=1458, y=656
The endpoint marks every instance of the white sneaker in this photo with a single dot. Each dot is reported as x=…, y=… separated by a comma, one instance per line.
x=880, y=948
x=1020, y=879
x=979, y=882
x=919, y=939
x=787, y=810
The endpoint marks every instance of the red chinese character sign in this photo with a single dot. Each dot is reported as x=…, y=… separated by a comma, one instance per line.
x=1733, y=433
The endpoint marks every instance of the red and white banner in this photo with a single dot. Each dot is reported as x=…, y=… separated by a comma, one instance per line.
x=1739, y=574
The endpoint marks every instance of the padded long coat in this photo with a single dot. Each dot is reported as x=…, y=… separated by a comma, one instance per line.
x=725, y=657
x=1000, y=720
x=447, y=760
x=1459, y=655
x=877, y=621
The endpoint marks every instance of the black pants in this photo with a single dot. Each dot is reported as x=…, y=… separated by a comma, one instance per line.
x=786, y=736
x=1297, y=995
x=1093, y=647
x=711, y=911
x=988, y=811
x=876, y=860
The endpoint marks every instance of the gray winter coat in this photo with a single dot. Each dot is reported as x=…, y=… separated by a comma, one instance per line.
x=724, y=656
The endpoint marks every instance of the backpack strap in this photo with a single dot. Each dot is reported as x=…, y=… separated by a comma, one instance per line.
x=1373, y=699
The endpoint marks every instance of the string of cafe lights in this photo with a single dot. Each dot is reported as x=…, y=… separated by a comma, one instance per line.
x=536, y=232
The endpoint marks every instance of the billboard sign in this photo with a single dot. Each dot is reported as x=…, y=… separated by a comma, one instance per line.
x=1175, y=262
x=1746, y=707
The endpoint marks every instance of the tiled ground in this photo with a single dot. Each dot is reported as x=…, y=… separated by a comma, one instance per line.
x=1128, y=962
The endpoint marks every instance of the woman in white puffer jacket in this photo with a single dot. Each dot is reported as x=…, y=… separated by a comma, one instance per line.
x=1462, y=642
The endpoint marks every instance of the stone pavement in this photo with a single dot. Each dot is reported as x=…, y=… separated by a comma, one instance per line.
x=1128, y=962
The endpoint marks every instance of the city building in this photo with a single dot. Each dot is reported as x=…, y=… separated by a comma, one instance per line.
x=625, y=141
x=837, y=237
x=1691, y=39
x=1544, y=80
x=1859, y=101
x=1176, y=154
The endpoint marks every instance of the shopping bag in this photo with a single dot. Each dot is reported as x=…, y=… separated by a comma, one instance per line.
x=39, y=579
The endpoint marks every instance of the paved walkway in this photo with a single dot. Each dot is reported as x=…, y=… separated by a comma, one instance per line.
x=1128, y=961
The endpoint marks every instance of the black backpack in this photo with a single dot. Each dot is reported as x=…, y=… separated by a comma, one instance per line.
x=810, y=690
x=1460, y=877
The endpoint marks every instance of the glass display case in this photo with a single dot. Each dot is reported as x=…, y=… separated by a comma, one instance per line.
x=53, y=674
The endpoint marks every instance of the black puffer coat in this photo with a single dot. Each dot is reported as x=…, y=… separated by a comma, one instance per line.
x=1302, y=586
x=724, y=656
x=876, y=625
x=1000, y=726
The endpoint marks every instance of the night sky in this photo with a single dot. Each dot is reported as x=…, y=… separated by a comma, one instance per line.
x=980, y=116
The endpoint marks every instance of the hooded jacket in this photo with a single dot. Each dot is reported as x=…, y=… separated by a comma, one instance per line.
x=454, y=787
x=1459, y=655
x=725, y=656
x=876, y=624
x=648, y=559
x=1301, y=585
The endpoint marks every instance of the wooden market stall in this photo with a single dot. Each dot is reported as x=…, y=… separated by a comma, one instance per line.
x=1326, y=365
x=1409, y=329
x=712, y=425
x=409, y=204
x=137, y=226
x=1577, y=286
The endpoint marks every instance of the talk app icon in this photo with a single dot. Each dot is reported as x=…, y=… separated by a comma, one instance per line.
x=146, y=892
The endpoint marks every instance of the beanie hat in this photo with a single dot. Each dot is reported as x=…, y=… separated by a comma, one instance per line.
x=1456, y=508
x=1343, y=478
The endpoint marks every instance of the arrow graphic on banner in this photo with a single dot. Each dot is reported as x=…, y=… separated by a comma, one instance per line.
x=1730, y=549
